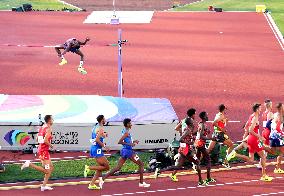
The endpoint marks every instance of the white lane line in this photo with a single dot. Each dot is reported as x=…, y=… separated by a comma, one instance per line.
x=269, y=21
x=275, y=28
x=65, y=3
x=190, y=187
x=264, y=194
x=230, y=121
x=30, y=182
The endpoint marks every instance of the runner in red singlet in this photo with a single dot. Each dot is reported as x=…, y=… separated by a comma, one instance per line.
x=254, y=142
x=44, y=140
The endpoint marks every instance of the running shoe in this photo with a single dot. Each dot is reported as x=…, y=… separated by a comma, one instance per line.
x=63, y=62
x=278, y=171
x=25, y=165
x=144, y=185
x=231, y=155
x=266, y=178
x=173, y=178
x=157, y=173
x=208, y=180
x=226, y=165
x=94, y=187
x=101, y=182
x=202, y=183
x=86, y=171
x=45, y=188
x=82, y=70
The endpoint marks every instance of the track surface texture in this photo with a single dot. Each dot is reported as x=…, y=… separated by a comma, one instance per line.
x=229, y=182
x=179, y=56
x=127, y=5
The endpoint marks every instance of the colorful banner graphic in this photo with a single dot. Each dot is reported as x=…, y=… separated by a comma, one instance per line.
x=17, y=137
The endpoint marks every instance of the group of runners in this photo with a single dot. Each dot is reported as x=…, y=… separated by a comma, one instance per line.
x=192, y=145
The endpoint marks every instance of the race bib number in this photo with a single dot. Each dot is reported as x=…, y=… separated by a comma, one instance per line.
x=264, y=123
x=99, y=151
x=47, y=166
x=183, y=145
x=93, y=141
x=40, y=139
x=136, y=158
x=198, y=136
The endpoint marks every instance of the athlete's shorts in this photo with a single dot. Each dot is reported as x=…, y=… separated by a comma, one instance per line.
x=191, y=156
x=72, y=49
x=265, y=134
x=219, y=136
x=96, y=152
x=127, y=153
x=254, y=145
x=44, y=155
x=276, y=142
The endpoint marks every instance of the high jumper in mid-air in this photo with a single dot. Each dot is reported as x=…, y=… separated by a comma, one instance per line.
x=72, y=45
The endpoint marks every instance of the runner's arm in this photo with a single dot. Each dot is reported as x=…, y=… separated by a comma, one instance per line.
x=245, y=136
x=185, y=133
x=201, y=129
x=121, y=141
x=252, y=126
x=85, y=42
x=99, y=135
x=270, y=116
x=47, y=135
x=178, y=128
x=194, y=131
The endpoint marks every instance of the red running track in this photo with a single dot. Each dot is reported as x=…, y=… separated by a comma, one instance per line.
x=179, y=56
x=234, y=183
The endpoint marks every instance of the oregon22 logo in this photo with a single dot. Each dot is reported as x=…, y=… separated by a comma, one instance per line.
x=17, y=137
